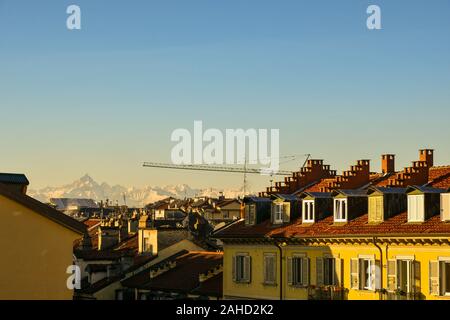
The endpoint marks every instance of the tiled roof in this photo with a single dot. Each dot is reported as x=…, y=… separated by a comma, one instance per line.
x=92, y=222
x=211, y=287
x=439, y=177
x=397, y=224
x=43, y=209
x=184, y=277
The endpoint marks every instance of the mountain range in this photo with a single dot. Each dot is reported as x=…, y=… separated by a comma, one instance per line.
x=87, y=187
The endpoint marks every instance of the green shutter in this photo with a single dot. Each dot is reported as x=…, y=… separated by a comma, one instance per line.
x=305, y=271
x=233, y=268
x=289, y=262
x=354, y=273
x=286, y=212
x=434, y=278
x=247, y=269
x=416, y=277
x=319, y=271
x=338, y=271
x=392, y=275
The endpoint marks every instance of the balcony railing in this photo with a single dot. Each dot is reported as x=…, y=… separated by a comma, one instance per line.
x=326, y=293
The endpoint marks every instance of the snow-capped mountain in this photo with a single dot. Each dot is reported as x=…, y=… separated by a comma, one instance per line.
x=86, y=187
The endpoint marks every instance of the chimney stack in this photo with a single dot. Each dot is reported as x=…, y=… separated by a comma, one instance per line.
x=388, y=163
x=427, y=156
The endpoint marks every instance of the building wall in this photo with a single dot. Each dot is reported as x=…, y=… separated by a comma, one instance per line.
x=35, y=254
x=422, y=254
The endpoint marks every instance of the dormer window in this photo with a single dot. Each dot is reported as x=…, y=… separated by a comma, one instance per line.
x=340, y=210
x=278, y=212
x=416, y=208
x=308, y=211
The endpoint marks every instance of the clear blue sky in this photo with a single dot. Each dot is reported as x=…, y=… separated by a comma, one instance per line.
x=105, y=98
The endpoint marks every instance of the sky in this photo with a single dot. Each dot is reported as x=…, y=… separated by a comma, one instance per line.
x=103, y=99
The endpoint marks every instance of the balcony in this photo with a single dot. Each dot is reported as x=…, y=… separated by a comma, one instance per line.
x=326, y=293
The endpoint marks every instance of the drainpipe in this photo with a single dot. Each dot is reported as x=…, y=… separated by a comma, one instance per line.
x=381, y=264
x=279, y=246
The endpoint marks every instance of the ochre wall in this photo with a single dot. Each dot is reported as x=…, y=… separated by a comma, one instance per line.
x=256, y=290
x=35, y=254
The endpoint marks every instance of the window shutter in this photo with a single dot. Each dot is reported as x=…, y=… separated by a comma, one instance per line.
x=376, y=274
x=434, y=278
x=445, y=206
x=319, y=271
x=354, y=273
x=269, y=269
x=379, y=214
x=272, y=216
x=247, y=269
x=289, y=270
x=233, y=268
x=305, y=271
x=416, y=277
x=392, y=275
x=338, y=272
x=286, y=212
x=273, y=268
x=247, y=214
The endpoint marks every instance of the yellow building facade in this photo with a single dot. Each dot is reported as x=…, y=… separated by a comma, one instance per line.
x=381, y=253
x=418, y=264
x=36, y=243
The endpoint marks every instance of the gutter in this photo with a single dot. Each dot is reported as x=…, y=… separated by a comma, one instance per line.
x=281, y=268
x=381, y=266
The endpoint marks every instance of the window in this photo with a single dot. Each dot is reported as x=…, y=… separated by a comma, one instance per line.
x=404, y=275
x=298, y=271
x=439, y=273
x=308, y=210
x=364, y=274
x=329, y=271
x=416, y=208
x=446, y=274
x=269, y=268
x=242, y=268
x=278, y=213
x=340, y=210
x=226, y=214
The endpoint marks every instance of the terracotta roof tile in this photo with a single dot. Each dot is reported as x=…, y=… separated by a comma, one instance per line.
x=395, y=225
x=184, y=277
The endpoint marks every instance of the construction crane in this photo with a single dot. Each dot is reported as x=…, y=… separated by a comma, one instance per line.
x=202, y=167
x=245, y=170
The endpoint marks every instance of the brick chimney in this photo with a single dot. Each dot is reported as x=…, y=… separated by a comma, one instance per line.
x=388, y=163
x=427, y=156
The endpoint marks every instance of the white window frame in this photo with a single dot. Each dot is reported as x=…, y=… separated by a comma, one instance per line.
x=366, y=274
x=340, y=210
x=278, y=211
x=308, y=206
x=409, y=272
